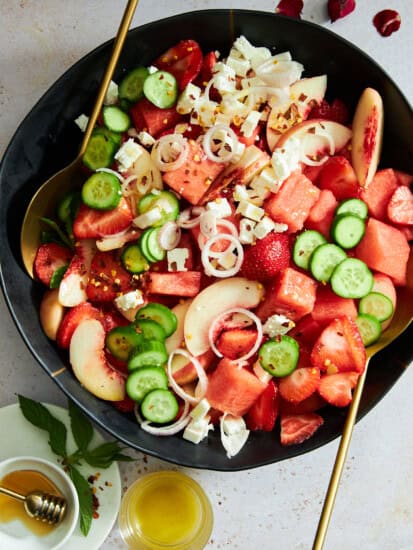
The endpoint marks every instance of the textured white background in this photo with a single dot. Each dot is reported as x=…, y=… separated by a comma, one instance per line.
x=275, y=506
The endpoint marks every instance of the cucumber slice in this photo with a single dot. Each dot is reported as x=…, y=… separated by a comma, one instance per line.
x=377, y=304
x=116, y=137
x=150, y=330
x=352, y=279
x=131, y=86
x=347, y=230
x=161, y=314
x=102, y=191
x=145, y=379
x=67, y=207
x=324, y=259
x=120, y=341
x=353, y=206
x=149, y=353
x=279, y=357
x=133, y=260
x=154, y=248
x=100, y=152
x=166, y=201
x=304, y=246
x=161, y=89
x=115, y=119
x=160, y=406
x=369, y=328
x=144, y=247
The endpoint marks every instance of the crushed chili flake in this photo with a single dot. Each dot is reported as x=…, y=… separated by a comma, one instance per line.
x=387, y=22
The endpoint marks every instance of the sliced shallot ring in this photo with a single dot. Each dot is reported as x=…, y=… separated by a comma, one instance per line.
x=207, y=253
x=202, y=240
x=164, y=147
x=169, y=235
x=202, y=377
x=248, y=314
x=185, y=221
x=209, y=138
x=171, y=429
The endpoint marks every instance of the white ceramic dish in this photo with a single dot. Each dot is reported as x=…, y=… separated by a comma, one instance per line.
x=19, y=437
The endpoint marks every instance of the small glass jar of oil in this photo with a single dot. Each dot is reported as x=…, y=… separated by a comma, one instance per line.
x=165, y=510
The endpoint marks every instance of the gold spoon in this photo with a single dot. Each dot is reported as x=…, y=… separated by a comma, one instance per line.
x=63, y=181
x=403, y=316
x=41, y=506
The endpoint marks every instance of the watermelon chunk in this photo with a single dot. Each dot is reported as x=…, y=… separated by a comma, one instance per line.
x=292, y=294
x=293, y=202
x=174, y=283
x=194, y=177
x=322, y=213
x=328, y=306
x=378, y=193
x=233, y=389
x=149, y=118
x=385, y=249
x=339, y=177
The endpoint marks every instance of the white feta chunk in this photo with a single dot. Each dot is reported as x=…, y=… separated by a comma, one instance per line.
x=204, y=112
x=279, y=73
x=201, y=409
x=221, y=118
x=246, y=231
x=152, y=69
x=148, y=218
x=250, y=123
x=223, y=69
x=259, y=56
x=240, y=66
x=265, y=179
x=264, y=227
x=223, y=83
x=177, y=258
x=234, y=434
x=127, y=154
x=129, y=300
x=285, y=160
x=188, y=98
x=112, y=94
x=82, y=121
x=250, y=211
x=240, y=193
x=256, y=55
x=197, y=430
x=220, y=207
x=145, y=139
x=227, y=260
x=232, y=107
x=277, y=325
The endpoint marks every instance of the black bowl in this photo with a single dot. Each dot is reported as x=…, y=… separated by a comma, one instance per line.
x=47, y=140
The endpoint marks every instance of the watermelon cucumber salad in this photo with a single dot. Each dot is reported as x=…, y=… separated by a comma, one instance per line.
x=233, y=250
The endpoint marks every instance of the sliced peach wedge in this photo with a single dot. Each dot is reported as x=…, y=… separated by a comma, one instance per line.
x=367, y=137
x=89, y=363
x=51, y=313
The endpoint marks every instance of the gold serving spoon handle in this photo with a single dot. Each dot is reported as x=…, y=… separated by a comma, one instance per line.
x=41, y=506
x=403, y=316
x=46, y=197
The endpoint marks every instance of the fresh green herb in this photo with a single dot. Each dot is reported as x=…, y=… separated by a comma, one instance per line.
x=57, y=276
x=101, y=456
x=64, y=239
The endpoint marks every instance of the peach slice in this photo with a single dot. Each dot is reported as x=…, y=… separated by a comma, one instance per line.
x=367, y=136
x=303, y=94
x=89, y=363
x=51, y=313
x=72, y=289
x=212, y=302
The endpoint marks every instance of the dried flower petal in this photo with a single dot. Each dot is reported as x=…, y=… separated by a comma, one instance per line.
x=292, y=8
x=340, y=8
x=387, y=22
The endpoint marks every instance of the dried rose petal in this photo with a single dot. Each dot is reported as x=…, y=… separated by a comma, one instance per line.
x=340, y=8
x=387, y=22
x=292, y=8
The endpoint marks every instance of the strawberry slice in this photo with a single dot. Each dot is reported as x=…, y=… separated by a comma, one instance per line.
x=300, y=384
x=337, y=111
x=72, y=320
x=263, y=413
x=339, y=177
x=94, y=224
x=236, y=342
x=336, y=388
x=400, y=207
x=267, y=257
x=308, y=405
x=184, y=61
x=107, y=278
x=113, y=319
x=296, y=428
x=49, y=257
x=339, y=348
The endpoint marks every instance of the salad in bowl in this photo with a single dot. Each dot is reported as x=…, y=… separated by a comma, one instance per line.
x=233, y=249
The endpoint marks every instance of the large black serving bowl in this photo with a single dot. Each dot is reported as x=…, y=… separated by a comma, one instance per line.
x=47, y=140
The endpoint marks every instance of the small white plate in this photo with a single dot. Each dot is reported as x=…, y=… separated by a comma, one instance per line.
x=20, y=437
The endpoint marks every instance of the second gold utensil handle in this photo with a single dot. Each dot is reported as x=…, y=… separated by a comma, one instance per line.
x=339, y=464
x=117, y=48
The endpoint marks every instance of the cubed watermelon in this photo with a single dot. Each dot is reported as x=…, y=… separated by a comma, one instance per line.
x=322, y=213
x=378, y=193
x=175, y=283
x=292, y=294
x=293, y=202
x=149, y=118
x=194, y=177
x=339, y=177
x=328, y=306
x=233, y=389
x=385, y=249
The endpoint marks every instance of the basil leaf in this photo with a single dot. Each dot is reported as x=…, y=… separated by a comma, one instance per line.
x=103, y=455
x=84, y=493
x=57, y=276
x=82, y=429
x=63, y=237
x=40, y=417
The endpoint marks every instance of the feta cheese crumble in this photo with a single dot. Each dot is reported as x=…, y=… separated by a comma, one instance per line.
x=129, y=300
x=128, y=154
x=277, y=325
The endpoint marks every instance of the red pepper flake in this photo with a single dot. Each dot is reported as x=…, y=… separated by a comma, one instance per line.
x=340, y=8
x=387, y=22
x=291, y=8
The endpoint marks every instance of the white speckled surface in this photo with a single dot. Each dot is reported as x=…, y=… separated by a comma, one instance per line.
x=275, y=506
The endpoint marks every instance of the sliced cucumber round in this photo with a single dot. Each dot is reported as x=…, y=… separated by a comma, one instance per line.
x=347, y=230
x=150, y=330
x=377, y=304
x=353, y=206
x=369, y=328
x=161, y=314
x=145, y=379
x=149, y=353
x=115, y=119
x=133, y=260
x=131, y=85
x=352, y=279
x=161, y=89
x=100, y=152
x=324, y=259
x=102, y=191
x=120, y=341
x=304, y=246
x=279, y=356
x=160, y=406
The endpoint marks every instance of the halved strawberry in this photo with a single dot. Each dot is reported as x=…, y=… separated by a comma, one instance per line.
x=339, y=348
x=112, y=319
x=339, y=177
x=300, y=384
x=400, y=207
x=336, y=111
x=311, y=404
x=107, y=278
x=94, y=224
x=296, y=428
x=49, y=257
x=267, y=257
x=336, y=388
x=263, y=413
x=72, y=320
x=184, y=61
x=236, y=342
